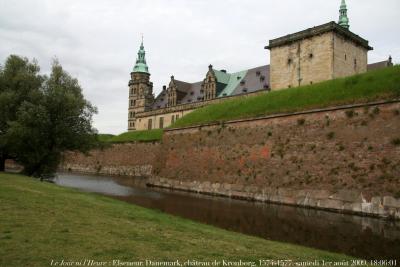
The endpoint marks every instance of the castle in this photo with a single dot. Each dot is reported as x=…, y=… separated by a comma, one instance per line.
x=313, y=55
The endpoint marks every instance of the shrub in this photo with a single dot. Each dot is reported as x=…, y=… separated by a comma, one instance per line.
x=330, y=135
x=301, y=121
x=396, y=141
x=350, y=113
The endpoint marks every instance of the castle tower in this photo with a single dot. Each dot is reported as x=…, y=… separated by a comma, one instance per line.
x=321, y=53
x=343, y=19
x=140, y=89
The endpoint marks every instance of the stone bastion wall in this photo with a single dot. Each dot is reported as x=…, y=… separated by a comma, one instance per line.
x=345, y=159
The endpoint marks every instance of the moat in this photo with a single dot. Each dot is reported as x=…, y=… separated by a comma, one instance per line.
x=364, y=237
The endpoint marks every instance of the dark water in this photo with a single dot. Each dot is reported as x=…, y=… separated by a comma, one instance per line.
x=363, y=237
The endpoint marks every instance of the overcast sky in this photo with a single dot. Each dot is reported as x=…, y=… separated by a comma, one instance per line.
x=96, y=41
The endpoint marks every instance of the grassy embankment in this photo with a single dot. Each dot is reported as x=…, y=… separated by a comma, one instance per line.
x=141, y=136
x=41, y=221
x=375, y=85
x=367, y=87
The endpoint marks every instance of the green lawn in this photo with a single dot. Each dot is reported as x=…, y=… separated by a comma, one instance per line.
x=142, y=136
x=41, y=222
x=105, y=137
x=370, y=86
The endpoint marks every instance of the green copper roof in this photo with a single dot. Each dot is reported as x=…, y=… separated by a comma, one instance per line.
x=343, y=19
x=232, y=83
x=222, y=77
x=141, y=65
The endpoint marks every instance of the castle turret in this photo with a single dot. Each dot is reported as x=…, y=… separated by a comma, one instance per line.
x=343, y=19
x=140, y=89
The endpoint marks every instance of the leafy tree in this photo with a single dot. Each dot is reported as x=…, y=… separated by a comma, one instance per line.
x=20, y=82
x=56, y=120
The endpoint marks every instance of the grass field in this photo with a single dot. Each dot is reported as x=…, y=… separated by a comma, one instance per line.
x=105, y=137
x=370, y=86
x=141, y=136
x=41, y=222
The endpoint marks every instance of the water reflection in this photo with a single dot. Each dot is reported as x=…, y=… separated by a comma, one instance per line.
x=363, y=237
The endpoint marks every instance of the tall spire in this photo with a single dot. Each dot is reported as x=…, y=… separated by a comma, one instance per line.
x=343, y=19
x=141, y=65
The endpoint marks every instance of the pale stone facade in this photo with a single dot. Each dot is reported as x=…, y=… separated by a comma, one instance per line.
x=321, y=53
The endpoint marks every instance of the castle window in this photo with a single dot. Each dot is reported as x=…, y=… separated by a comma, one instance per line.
x=311, y=55
x=345, y=57
x=177, y=116
x=131, y=104
x=134, y=103
x=289, y=61
x=173, y=119
x=161, y=122
x=149, y=124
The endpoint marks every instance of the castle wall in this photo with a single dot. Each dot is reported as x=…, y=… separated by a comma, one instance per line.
x=129, y=159
x=345, y=159
x=302, y=62
x=349, y=58
x=142, y=123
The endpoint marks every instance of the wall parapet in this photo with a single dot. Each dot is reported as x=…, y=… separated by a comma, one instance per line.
x=289, y=114
x=344, y=201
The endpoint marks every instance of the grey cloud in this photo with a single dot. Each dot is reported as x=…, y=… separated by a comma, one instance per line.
x=97, y=41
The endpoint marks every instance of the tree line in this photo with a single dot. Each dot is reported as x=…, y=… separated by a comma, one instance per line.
x=41, y=116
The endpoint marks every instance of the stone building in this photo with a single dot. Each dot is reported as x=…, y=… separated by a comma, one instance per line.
x=317, y=54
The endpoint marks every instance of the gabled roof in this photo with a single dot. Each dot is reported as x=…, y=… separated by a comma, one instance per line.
x=233, y=82
x=237, y=83
x=379, y=65
x=222, y=76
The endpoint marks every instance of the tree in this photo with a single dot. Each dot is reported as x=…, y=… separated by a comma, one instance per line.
x=58, y=119
x=20, y=82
